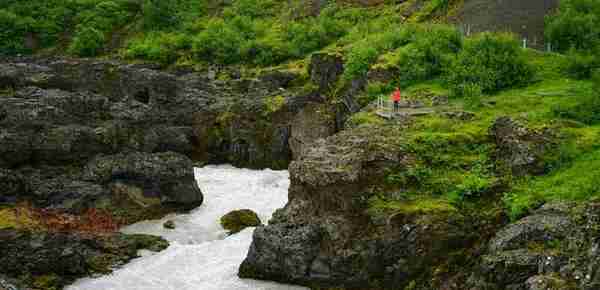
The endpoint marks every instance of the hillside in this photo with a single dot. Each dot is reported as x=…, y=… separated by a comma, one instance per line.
x=484, y=177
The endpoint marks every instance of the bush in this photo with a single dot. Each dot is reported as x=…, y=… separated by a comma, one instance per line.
x=577, y=25
x=364, y=52
x=219, y=43
x=312, y=34
x=11, y=33
x=158, y=47
x=161, y=14
x=580, y=65
x=88, y=41
x=359, y=59
x=428, y=54
x=250, y=8
x=491, y=61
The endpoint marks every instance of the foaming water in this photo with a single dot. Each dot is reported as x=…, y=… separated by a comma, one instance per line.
x=201, y=257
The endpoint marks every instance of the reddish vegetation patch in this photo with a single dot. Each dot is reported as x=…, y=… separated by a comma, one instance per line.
x=92, y=221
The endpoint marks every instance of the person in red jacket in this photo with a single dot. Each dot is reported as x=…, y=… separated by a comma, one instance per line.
x=396, y=97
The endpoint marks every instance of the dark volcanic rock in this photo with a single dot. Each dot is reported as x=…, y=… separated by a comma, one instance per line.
x=298, y=244
x=554, y=248
x=165, y=176
x=15, y=148
x=67, y=144
x=520, y=149
x=325, y=69
x=325, y=237
x=67, y=256
x=13, y=185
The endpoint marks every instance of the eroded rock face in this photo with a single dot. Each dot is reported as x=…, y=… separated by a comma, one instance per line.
x=164, y=176
x=324, y=236
x=243, y=121
x=520, y=149
x=325, y=69
x=553, y=248
x=312, y=123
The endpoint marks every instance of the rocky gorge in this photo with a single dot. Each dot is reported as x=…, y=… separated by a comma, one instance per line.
x=124, y=138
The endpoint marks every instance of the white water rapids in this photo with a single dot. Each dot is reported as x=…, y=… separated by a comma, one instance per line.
x=201, y=257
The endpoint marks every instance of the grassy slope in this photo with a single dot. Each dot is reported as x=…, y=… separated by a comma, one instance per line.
x=456, y=169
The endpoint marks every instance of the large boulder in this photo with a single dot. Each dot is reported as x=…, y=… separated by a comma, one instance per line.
x=167, y=177
x=297, y=245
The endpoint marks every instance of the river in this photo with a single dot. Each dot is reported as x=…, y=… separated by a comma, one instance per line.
x=201, y=256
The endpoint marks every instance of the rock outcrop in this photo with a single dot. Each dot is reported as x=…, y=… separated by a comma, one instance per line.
x=328, y=236
x=47, y=260
x=243, y=121
x=521, y=150
x=555, y=247
x=343, y=227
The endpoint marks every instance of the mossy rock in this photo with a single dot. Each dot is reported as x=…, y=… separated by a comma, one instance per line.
x=47, y=282
x=152, y=243
x=238, y=220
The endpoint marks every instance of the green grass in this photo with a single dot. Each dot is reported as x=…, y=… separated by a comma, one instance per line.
x=578, y=182
x=455, y=156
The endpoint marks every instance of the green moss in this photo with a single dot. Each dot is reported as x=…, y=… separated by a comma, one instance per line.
x=419, y=205
x=274, y=104
x=149, y=242
x=47, y=282
x=362, y=118
x=102, y=263
x=238, y=220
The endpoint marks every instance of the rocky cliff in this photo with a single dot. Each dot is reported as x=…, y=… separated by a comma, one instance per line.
x=345, y=226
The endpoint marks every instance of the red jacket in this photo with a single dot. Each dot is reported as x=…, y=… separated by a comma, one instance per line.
x=396, y=96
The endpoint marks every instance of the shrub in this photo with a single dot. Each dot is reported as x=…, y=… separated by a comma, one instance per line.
x=581, y=64
x=359, y=59
x=491, y=61
x=88, y=41
x=577, y=25
x=160, y=14
x=158, y=47
x=219, y=43
x=103, y=16
x=312, y=34
x=250, y=8
x=428, y=54
x=11, y=33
